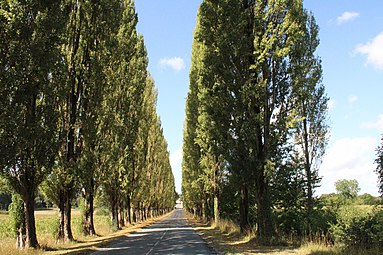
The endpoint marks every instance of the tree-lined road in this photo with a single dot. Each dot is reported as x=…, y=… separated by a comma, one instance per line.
x=172, y=235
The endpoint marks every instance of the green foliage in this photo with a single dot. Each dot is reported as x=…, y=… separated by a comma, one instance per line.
x=30, y=84
x=6, y=228
x=16, y=211
x=347, y=190
x=379, y=165
x=103, y=211
x=80, y=108
x=367, y=199
x=359, y=227
x=48, y=225
x=256, y=112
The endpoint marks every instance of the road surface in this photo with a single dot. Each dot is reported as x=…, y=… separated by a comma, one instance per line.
x=172, y=235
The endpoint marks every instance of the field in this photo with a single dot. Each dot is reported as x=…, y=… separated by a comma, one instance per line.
x=46, y=225
x=226, y=238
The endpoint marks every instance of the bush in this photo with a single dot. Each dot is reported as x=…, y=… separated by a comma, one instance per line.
x=6, y=228
x=359, y=227
x=48, y=224
x=103, y=211
x=16, y=211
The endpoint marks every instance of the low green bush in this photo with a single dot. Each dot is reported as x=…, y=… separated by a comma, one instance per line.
x=102, y=211
x=359, y=227
x=6, y=228
x=48, y=224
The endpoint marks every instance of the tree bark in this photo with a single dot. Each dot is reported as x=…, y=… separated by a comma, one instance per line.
x=264, y=221
x=121, y=213
x=310, y=203
x=216, y=193
x=114, y=207
x=60, y=234
x=67, y=219
x=244, y=210
x=129, y=210
x=88, y=223
x=216, y=209
x=65, y=230
x=30, y=226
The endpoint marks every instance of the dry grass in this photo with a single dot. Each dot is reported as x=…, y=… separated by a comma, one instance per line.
x=82, y=245
x=225, y=237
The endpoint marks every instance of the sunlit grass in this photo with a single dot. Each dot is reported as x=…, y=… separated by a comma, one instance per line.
x=226, y=238
x=46, y=224
x=227, y=226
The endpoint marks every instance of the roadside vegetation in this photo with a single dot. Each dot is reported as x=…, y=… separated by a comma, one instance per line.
x=352, y=225
x=78, y=119
x=47, y=230
x=257, y=128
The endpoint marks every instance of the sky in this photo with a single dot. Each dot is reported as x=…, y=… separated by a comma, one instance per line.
x=351, y=50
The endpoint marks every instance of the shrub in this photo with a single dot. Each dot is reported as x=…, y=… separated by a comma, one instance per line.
x=16, y=211
x=102, y=211
x=359, y=227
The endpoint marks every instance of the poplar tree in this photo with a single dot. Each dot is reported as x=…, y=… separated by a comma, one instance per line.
x=86, y=50
x=143, y=176
x=311, y=133
x=225, y=65
x=123, y=106
x=379, y=166
x=277, y=28
x=250, y=95
x=192, y=194
x=30, y=82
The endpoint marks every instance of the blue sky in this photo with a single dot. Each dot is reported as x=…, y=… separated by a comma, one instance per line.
x=351, y=49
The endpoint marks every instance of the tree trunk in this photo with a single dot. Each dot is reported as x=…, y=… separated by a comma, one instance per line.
x=88, y=223
x=264, y=230
x=135, y=218
x=204, y=210
x=244, y=210
x=21, y=231
x=114, y=207
x=216, y=208
x=30, y=226
x=67, y=219
x=20, y=238
x=216, y=192
x=121, y=213
x=129, y=210
x=310, y=203
x=65, y=230
x=61, y=205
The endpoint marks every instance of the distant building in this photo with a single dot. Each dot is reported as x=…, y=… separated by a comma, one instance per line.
x=179, y=204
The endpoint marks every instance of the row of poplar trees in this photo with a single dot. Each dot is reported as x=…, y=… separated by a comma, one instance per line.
x=256, y=114
x=78, y=112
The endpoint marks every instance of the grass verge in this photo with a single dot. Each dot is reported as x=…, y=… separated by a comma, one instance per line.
x=226, y=238
x=83, y=245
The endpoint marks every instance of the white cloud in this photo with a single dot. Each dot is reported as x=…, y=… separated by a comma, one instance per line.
x=176, y=163
x=350, y=158
x=374, y=51
x=377, y=124
x=176, y=158
x=347, y=17
x=175, y=63
x=331, y=104
x=352, y=99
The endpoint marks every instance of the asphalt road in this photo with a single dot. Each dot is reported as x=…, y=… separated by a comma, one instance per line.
x=172, y=235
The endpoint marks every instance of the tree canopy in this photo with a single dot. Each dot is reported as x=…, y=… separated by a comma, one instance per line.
x=79, y=112
x=256, y=111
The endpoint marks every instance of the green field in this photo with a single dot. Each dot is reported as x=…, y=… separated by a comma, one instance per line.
x=46, y=228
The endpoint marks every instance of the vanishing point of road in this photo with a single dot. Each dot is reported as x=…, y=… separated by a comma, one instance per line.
x=172, y=235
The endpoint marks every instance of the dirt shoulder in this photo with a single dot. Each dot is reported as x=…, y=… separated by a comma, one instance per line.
x=232, y=242
x=90, y=245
